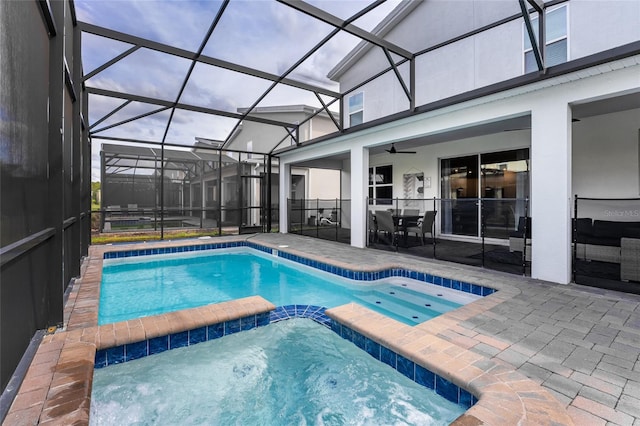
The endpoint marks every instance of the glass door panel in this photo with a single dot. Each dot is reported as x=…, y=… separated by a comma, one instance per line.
x=459, y=196
x=504, y=186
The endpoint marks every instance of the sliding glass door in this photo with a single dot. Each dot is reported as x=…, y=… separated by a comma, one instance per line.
x=489, y=185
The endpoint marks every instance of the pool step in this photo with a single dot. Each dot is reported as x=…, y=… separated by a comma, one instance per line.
x=395, y=308
x=415, y=298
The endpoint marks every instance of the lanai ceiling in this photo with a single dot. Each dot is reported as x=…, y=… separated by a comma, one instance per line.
x=170, y=72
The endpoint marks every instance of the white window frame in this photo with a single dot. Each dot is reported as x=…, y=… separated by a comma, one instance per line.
x=350, y=112
x=525, y=34
x=375, y=185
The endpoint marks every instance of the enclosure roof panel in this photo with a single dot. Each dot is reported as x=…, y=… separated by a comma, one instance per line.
x=193, y=70
x=119, y=151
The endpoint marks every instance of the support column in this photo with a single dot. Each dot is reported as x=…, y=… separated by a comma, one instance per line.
x=359, y=193
x=551, y=191
x=55, y=215
x=285, y=192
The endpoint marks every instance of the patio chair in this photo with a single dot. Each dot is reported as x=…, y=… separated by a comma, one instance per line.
x=426, y=226
x=385, y=224
x=406, y=213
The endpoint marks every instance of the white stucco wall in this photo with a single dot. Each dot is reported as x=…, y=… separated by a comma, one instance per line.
x=483, y=59
x=605, y=156
x=597, y=25
x=324, y=184
x=427, y=158
x=382, y=97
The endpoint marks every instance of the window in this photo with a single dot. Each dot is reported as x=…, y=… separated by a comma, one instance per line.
x=555, y=40
x=356, y=109
x=381, y=185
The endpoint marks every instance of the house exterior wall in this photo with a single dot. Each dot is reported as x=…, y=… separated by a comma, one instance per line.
x=548, y=103
x=605, y=155
x=321, y=125
x=489, y=57
x=264, y=136
x=595, y=26
x=427, y=158
x=324, y=184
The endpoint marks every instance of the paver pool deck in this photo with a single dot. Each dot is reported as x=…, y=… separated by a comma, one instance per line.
x=581, y=345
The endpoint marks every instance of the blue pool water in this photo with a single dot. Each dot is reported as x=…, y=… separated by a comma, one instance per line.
x=294, y=372
x=141, y=286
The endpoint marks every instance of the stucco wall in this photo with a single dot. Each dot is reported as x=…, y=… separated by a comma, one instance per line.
x=483, y=59
x=605, y=155
x=427, y=159
x=597, y=25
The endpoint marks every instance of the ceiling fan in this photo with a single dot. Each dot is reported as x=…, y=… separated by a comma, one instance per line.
x=393, y=151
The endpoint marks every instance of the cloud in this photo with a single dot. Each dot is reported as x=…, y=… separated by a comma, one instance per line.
x=177, y=23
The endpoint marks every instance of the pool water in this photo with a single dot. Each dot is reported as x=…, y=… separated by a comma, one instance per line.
x=293, y=372
x=141, y=286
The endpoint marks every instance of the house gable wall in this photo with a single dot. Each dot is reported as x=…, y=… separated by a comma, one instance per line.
x=486, y=58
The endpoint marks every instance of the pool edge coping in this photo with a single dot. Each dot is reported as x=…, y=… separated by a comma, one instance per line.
x=81, y=319
x=504, y=395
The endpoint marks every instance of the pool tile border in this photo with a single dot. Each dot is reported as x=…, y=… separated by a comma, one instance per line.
x=135, y=350
x=408, y=368
x=155, y=345
x=315, y=313
x=497, y=394
x=466, y=287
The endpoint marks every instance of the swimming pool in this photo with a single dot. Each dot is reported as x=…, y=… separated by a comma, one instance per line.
x=290, y=372
x=134, y=287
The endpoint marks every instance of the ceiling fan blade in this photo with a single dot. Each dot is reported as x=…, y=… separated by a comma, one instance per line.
x=392, y=150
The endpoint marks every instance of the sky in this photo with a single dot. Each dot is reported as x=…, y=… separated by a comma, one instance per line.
x=260, y=34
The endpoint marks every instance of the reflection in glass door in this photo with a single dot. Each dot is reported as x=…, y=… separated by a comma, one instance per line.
x=459, y=196
x=504, y=187
x=499, y=180
x=251, y=202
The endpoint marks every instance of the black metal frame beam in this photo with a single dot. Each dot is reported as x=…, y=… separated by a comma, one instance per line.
x=68, y=81
x=373, y=77
x=173, y=107
x=443, y=44
x=186, y=54
x=116, y=109
x=397, y=73
x=169, y=144
x=346, y=25
x=278, y=144
x=111, y=62
x=325, y=107
x=275, y=83
x=538, y=46
x=614, y=54
x=47, y=16
x=193, y=64
x=169, y=104
x=56, y=178
x=129, y=120
x=138, y=42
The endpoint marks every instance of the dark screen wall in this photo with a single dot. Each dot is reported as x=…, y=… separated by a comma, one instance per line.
x=44, y=170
